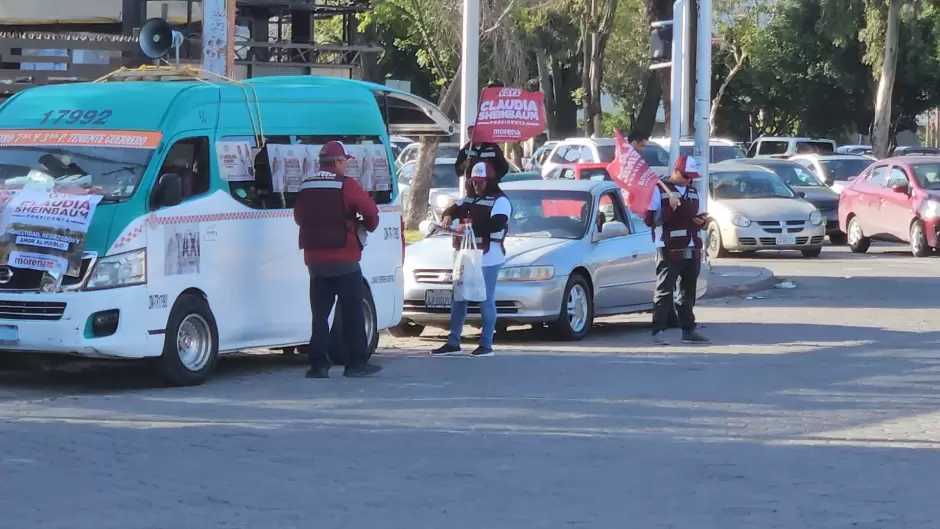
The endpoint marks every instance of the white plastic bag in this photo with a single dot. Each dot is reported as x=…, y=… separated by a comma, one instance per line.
x=469, y=284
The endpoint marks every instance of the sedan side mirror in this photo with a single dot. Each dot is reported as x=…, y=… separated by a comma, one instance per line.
x=168, y=192
x=611, y=229
x=801, y=194
x=900, y=188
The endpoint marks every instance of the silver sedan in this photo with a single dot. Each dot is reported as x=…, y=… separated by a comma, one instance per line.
x=573, y=252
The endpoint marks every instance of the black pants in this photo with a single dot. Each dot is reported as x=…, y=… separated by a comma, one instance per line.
x=668, y=272
x=324, y=290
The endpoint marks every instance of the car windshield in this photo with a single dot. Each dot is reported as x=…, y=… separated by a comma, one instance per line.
x=719, y=153
x=526, y=175
x=655, y=155
x=843, y=170
x=927, y=175
x=112, y=172
x=594, y=173
x=807, y=147
x=558, y=214
x=794, y=175
x=607, y=153
x=443, y=175
x=748, y=184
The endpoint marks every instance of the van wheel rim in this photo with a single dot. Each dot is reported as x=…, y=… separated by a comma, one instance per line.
x=370, y=326
x=577, y=308
x=855, y=232
x=194, y=342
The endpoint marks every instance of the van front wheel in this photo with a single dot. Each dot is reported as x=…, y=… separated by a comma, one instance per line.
x=338, y=352
x=191, y=345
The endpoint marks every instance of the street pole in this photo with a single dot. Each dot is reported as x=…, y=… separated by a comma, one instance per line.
x=686, y=66
x=218, y=36
x=703, y=94
x=676, y=74
x=470, y=65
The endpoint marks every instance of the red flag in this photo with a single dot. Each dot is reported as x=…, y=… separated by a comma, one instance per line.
x=509, y=114
x=631, y=172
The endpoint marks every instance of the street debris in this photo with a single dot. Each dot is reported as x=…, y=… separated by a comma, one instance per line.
x=785, y=284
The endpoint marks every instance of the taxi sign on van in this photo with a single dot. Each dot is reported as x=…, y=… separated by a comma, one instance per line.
x=128, y=139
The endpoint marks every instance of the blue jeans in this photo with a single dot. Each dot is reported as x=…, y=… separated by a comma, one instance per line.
x=458, y=312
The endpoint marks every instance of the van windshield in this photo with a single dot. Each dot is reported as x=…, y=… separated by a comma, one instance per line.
x=107, y=164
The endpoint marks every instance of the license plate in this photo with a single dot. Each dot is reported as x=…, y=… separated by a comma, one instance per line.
x=786, y=240
x=9, y=334
x=437, y=299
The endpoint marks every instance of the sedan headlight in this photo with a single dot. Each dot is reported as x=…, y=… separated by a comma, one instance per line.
x=931, y=209
x=527, y=273
x=121, y=270
x=740, y=220
x=815, y=218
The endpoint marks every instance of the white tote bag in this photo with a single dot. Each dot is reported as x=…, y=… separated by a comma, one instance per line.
x=469, y=284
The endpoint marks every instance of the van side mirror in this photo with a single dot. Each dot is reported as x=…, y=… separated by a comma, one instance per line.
x=168, y=192
x=900, y=188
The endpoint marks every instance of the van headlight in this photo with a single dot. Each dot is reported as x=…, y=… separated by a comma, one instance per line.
x=815, y=218
x=740, y=220
x=931, y=209
x=526, y=273
x=121, y=270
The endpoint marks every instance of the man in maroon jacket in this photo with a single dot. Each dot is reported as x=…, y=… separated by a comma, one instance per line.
x=329, y=210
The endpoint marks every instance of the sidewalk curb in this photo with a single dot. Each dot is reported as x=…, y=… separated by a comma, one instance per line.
x=766, y=281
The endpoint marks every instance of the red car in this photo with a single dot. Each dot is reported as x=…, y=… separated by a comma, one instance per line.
x=579, y=171
x=896, y=200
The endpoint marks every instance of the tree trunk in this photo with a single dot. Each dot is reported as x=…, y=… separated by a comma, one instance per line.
x=738, y=66
x=416, y=208
x=564, y=82
x=514, y=150
x=586, y=55
x=881, y=135
x=657, y=85
x=545, y=85
x=693, y=50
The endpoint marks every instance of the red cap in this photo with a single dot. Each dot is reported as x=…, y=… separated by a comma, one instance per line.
x=335, y=149
x=481, y=171
x=688, y=166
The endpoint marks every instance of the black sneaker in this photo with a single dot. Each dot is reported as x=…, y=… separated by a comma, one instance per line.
x=318, y=372
x=446, y=350
x=482, y=351
x=695, y=338
x=659, y=338
x=364, y=370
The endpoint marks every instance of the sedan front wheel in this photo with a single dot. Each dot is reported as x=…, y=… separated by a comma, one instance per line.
x=577, y=310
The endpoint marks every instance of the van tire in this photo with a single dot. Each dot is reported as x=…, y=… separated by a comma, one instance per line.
x=192, y=325
x=337, y=349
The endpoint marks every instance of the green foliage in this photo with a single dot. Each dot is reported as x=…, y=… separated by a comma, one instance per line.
x=619, y=120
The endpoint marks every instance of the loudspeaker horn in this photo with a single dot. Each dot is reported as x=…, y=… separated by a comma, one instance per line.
x=157, y=38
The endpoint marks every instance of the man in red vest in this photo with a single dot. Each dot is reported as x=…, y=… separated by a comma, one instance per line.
x=677, y=220
x=328, y=211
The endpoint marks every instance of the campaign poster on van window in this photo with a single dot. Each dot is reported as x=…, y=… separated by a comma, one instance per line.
x=43, y=230
x=183, y=249
x=290, y=164
x=236, y=163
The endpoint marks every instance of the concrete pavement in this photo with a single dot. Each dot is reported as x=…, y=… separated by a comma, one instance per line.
x=817, y=407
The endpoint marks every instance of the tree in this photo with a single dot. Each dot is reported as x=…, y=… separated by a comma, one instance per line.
x=882, y=131
x=596, y=26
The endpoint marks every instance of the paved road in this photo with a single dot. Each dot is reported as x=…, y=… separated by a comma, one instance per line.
x=816, y=408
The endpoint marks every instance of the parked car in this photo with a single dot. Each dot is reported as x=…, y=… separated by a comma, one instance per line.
x=897, y=200
x=410, y=153
x=445, y=186
x=809, y=187
x=784, y=147
x=911, y=150
x=579, y=171
x=573, y=252
x=854, y=149
x=521, y=176
x=751, y=209
x=540, y=155
x=834, y=170
x=601, y=150
x=719, y=149
x=398, y=144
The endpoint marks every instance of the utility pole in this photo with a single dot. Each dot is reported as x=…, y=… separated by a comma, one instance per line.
x=470, y=66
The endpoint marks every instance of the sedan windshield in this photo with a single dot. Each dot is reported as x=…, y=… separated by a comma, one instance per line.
x=844, y=170
x=718, y=153
x=558, y=214
x=443, y=175
x=112, y=172
x=927, y=175
x=794, y=175
x=748, y=184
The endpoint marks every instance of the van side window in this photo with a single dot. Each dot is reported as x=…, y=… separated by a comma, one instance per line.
x=281, y=164
x=773, y=147
x=189, y=158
